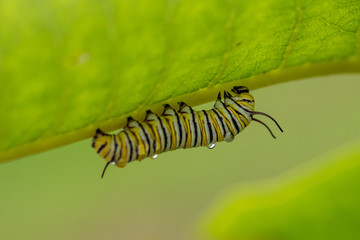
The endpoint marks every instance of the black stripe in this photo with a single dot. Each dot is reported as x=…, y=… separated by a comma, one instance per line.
x=240, y=115
x=116, y=146
x=176, y=145
x=131, y=146
x=221, y=121
x=246, y=100
x=170, y=139
x=180, y=129
x=239, y=105
x=241, y=108
x=163, y=129
x=136, y=146
x=107, y=154
x=186, y=133
x=213, y=124
x=121, y=147
x=173, y=125
x=195, y=126
x=147, y=139
x=232, y=118
x=209, y=125
x=101, y=148
x=152, y=130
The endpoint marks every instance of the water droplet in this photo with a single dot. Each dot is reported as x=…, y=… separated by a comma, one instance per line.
x=154, y=156
x=211, y=145
x=229, y=137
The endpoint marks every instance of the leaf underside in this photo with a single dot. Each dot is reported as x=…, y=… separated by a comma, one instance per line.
x=69, y=67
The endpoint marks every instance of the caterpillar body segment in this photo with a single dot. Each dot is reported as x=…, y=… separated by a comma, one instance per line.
x=185, y=128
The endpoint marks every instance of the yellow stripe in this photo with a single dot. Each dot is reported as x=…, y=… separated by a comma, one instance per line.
x=228, y=123
x=124, y=159
x=151, y=136
x=183, y=125
x=247, y=96
x=146, y=144
x=216, y=126
x=119, y=143
x=167, y=129
x=187, y=129
x=153, y=124
x=238, y=117
x=202, y=127
x=135, y=142
x=245, y=120
x=140, y=145
x=246, y=104
x=106, y=151
x=172, y=132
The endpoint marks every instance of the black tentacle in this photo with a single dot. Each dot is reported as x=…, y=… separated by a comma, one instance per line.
x=257, y=120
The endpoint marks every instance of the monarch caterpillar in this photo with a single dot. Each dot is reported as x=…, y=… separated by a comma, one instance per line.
x=184, y=128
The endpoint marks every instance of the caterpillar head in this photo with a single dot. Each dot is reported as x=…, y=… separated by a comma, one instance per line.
x=240, y=89
x=242, y=95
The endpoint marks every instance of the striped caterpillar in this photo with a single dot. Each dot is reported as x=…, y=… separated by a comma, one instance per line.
x=185, y=128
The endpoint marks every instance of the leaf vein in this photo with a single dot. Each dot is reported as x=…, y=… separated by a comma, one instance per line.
x=226, y=56
x=167, y=58
x=290, y=45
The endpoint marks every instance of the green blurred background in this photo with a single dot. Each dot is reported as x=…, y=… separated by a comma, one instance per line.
x=59, y=194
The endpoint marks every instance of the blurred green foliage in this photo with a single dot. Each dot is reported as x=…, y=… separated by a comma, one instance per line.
x=68, y=67
x=319, y=203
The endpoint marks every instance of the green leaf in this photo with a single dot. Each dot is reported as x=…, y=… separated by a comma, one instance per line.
x=69, y=67
x=320, y=203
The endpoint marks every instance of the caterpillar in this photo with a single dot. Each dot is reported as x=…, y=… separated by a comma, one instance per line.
x=185, y=128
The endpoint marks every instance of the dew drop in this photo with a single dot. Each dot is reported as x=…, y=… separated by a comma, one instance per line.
x=211, y=146
x=228, y=137
x=154, y=156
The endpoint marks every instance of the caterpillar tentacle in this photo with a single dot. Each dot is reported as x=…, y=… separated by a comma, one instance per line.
x=261, y=122
x=267, y=115
x=185, y=128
